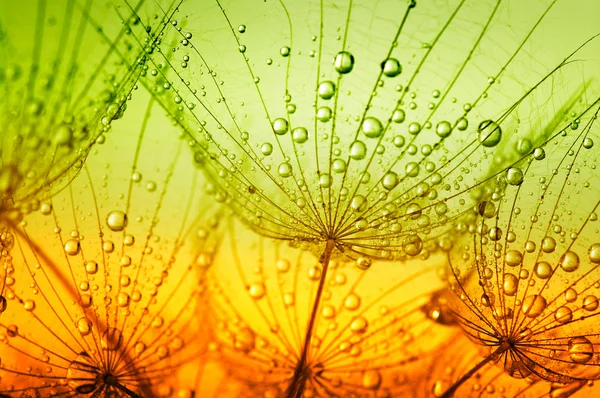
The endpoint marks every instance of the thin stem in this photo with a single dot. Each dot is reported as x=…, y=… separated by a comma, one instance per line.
x=298, y=382
x=450, y=391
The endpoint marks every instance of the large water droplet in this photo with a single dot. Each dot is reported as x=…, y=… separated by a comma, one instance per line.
x=490, y=133
x=581, y=350
x=116, y=220
x=343, y=62
x=326, y=89
x=391, y=67
x=533, y=305
x=372, y=127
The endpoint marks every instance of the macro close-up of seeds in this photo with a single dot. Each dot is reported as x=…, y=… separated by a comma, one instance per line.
x=284, y=198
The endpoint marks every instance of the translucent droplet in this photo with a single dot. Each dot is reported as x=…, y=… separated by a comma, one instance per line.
x=462, y=124
x=590, y=303
x=266, y=149
x=443, y=129
x=324, y=114
x=533, y=305
x=300, y=135
x=284, y=51
x=84, y=326
x=359, y=325
x=363, y=263
x=581, y=350
x=352, y=302
x=123, y=299
x=326, y=89
x=569, y=261
x=398, y=116
x=490, y=133
x=3, y=304
x=371, y=379
x=390, y=180
x=594, y=253
x=563, y=314
x=280, y=126
x=282, y=266
x=511, y=284
x=285, y=170
x=256, y=291
x=343, y=62
x=372, y=127
x=514, y=176
x=116, y=220
x=338, y=165
x=72, y=247
x=548, y=244
x=543, y=270
x=91, y=267
x=414, y=128
x=391, y=67
x=358, y=150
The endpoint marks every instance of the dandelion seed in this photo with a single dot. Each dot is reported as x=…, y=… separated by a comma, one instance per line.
x=63, y=80
x=371, y=329
x=121, y=314
x=370, y=175
x=344, y=119
x=526, y=284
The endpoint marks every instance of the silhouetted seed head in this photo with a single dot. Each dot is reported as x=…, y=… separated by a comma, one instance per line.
x=104, y=294
x=317, y=126
x=526, y=282
x=369, y=334
x=67, y=71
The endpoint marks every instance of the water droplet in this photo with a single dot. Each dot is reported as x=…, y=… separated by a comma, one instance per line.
x=514, y=176
x=371, y=379
x=398, y=116
x=343, y=62
x=569, y=261
x=543, y=270
x=284, y=51
x=324, y=114
x=590, y=303
x=300, y=135
x=533, y=305
x=91, y=267
x=390, y=180
x=594, y=253
x=72, y=247
x=280, y=126
x=372, y=127
x=242, y=28
x=326, y=89
x=391, y=67
x=256, y=291
x=511, y=284
x=443, y=129
x=84, y=326
x=358, y=150
x=490, y=133
x=352, y=302
x=116, y=220
x=266, y=149
x=581, y=350
x=363, y=263
x=359, y=325
x=563, y=314
x=285, y=170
